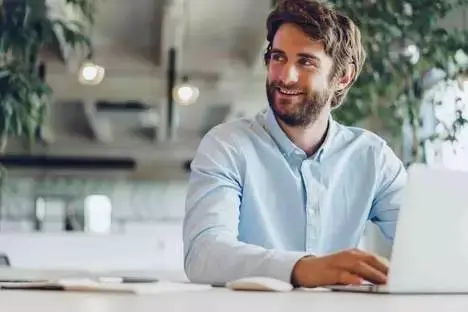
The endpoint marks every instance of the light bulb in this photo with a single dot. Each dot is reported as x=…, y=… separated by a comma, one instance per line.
x=186, y=94
x=91, y=74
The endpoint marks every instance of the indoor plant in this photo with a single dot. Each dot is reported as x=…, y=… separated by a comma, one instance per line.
x=27, y=28
x=403, y=41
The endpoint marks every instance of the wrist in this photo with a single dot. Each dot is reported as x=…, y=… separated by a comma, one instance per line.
x=298, y=271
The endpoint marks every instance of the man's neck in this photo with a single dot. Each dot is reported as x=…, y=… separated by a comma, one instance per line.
x=308, y=138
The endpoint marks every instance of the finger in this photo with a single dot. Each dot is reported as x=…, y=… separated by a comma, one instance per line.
x=369, y=273
x=377, y=262
x=348, y=278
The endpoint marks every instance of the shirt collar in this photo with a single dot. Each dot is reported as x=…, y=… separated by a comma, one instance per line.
x=287, y=147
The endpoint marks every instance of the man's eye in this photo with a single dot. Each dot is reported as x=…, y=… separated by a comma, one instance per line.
x=277, y=57
x=307, y=62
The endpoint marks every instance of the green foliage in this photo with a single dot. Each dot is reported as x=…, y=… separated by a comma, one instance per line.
x=389, y=86
x=26, y=29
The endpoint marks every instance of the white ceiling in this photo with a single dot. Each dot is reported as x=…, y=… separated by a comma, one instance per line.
x=127, y=35
x=131, y=37
x=213, y=37
x=223, y=33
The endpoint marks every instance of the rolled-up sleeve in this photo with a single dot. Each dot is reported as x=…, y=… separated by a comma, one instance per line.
x=212, y=252
x=389, y=196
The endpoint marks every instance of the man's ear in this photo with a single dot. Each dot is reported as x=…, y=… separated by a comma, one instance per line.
x=266, y=58
x=345, y=80
x=266, y=55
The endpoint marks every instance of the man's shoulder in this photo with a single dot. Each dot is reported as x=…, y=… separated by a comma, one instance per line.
x=367, y=148
x=237, y=130
x=362, y=137
x=229, y=142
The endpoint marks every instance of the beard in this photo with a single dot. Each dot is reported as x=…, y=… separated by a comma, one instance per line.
x=297, y=113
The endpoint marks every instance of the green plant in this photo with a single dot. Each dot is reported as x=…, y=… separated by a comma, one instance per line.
x=403, y=41
x=27, y=28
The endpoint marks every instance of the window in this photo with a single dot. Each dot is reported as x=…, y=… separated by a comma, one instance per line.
x=447, y=99
x=98, y=214
x=49, y=213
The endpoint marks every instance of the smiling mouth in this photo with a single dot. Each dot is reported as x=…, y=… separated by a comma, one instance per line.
x=289, y=92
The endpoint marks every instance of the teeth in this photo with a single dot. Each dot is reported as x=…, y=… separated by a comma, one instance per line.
x=290, y=92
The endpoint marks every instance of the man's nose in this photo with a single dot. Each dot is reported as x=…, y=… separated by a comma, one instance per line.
x=290, y=74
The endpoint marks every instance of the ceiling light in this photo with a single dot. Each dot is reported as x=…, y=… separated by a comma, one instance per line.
x=185, y=93
x=91, y=74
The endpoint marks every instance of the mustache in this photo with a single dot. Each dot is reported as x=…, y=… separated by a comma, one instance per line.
x=278, y=84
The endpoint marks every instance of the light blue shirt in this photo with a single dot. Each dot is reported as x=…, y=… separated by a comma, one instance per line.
x=256, y=203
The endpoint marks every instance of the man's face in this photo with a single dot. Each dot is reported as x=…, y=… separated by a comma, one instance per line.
x=298, y=81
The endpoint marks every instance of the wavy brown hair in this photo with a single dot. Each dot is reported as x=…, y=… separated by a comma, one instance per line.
x=338, y=33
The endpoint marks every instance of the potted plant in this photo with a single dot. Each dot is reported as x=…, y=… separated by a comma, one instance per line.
x=404, y=41
x=27, y=28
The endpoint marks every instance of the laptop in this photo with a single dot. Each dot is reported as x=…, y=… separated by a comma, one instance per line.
x=430, y=248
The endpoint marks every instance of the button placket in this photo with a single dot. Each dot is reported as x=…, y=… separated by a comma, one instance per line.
x=311, y=206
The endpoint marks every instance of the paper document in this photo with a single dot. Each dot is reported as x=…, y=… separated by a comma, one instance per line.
x=26, y=274
x=89, y=285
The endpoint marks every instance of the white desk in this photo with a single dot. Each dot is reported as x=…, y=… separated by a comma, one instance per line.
x=224, y=300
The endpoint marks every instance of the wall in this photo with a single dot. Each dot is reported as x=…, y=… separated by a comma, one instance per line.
x=146, y=232
x=132, y=201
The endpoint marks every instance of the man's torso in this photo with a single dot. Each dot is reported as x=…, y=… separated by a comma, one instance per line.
x=289, y=201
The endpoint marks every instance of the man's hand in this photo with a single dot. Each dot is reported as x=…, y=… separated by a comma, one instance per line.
x=350, y=267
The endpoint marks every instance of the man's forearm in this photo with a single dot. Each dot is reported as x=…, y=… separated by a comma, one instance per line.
x=215, y=260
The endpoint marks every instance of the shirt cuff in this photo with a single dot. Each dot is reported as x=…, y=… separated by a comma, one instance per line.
x=282, y=265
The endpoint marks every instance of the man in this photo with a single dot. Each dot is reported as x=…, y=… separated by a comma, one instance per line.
x=286, y=194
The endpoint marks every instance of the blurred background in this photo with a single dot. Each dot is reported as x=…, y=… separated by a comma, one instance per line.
x=103, y=104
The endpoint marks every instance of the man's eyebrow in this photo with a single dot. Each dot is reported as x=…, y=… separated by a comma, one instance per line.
x=311, y=56
x=275, y=50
